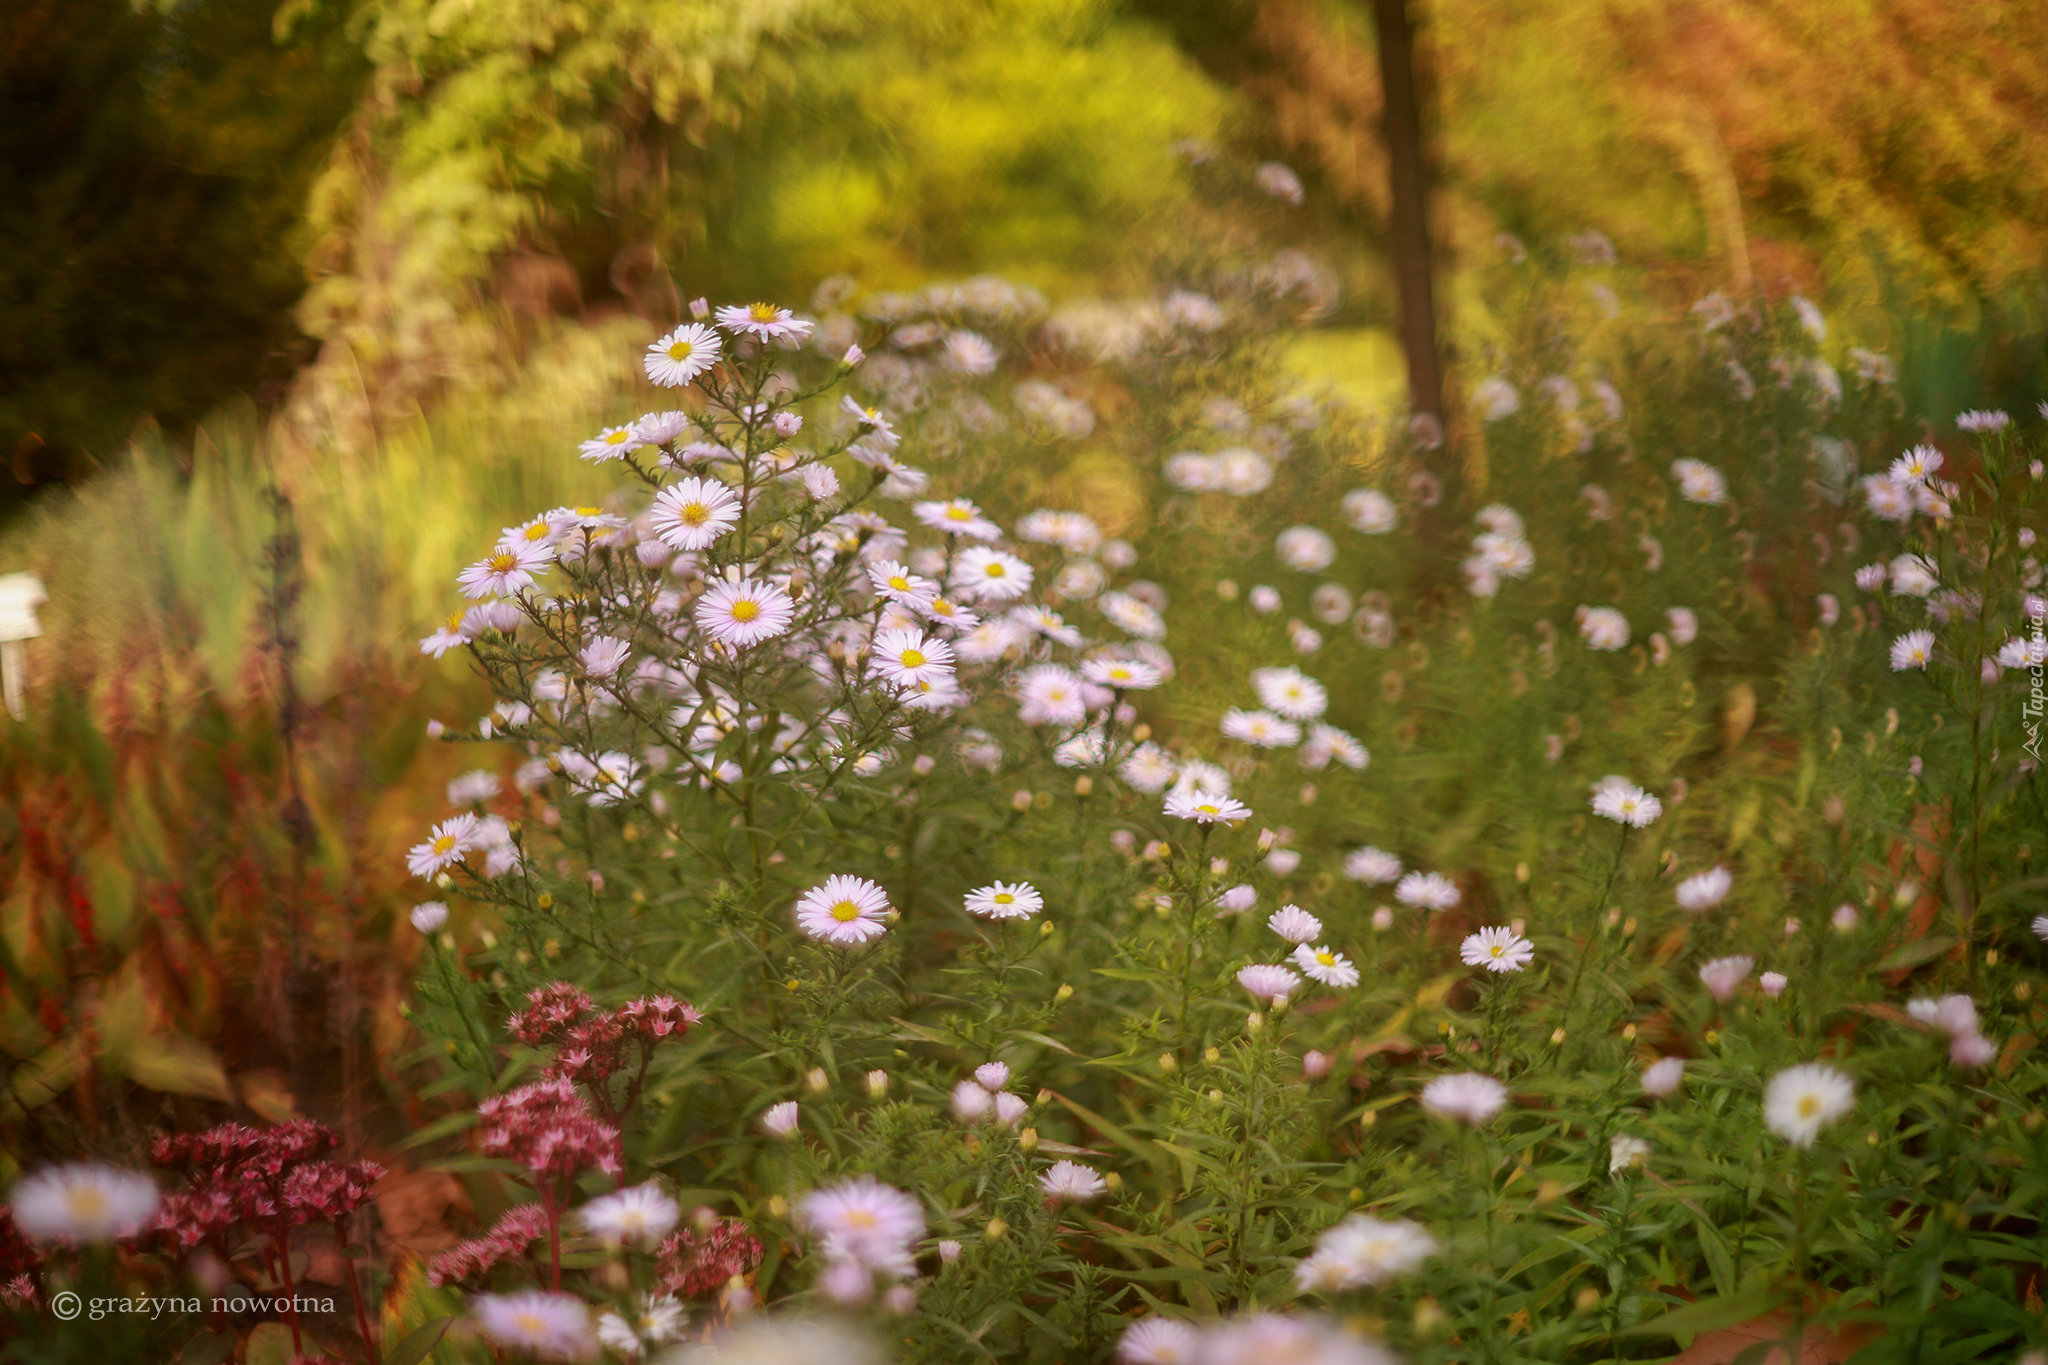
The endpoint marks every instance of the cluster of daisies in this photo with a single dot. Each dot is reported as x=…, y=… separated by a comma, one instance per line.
x=1290, y=714
x=1273, y=984
x=753, y=571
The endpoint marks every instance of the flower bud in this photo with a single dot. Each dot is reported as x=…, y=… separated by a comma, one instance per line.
x=878, y=1084
x=778, y=1207
x=1027, y=1141
x=1063, y=994
x=1168, y=1063
x=994, y=1229
x=816, y=1081
x=1254, y=1023
x=1316, y=1065
x=949, y=1251
x=1083, y=785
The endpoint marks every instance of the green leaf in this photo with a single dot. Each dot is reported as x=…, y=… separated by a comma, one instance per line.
x=1908, y=955
x=269, y=1344
x=445, y=1126
x=418, y=1342
x=177, y=1065
x=208, y=1348
x=1147, y=1152
x=1708, y=1314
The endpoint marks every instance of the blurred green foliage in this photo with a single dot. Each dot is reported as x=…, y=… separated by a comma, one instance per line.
x=153, y=174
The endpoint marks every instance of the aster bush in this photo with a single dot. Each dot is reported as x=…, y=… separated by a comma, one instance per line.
x=1016, y=824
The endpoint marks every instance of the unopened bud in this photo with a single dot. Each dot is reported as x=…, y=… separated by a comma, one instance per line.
x=1254, y=1023
x=878, y=1084
x=1114, y=1181
x=1168, y=1063
x=1063, y=995
x=995, y=1229
x=1212, y=1055
x=1083, y=785
x=1020, y=801
x=1027, y=1141
x=778, y=1207
x=545, y=901
x=816, y=1081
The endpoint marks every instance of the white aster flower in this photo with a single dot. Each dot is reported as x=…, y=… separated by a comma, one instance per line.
x=682, y=355
x=639, y=1215
x=1802, y=1100
x=1049, y=694
x=1626, y=1153
x=956, y=517
x=1363, y=1250
x=1206, y=810
x=474, y=787
x=1261, y=729
x=1722, y=975
x=82, y=1202
x=1305, y=549
x=864, y=1221
x=1983, y=419
x=1467, y=1097
x=537, y=1323
x=1914, y=649
x=1326, y=742
x=1268, y=984
x=1326, y=965
x=1603, y=628
x=1917, y=465
x=613, y=443
x=1372, y=866
x=1685, y=626
x=603, y=655
x=1005, y=900
x=911, y=658
x=1498, y=949
x=1625, y=803
x=1700, y=482
x=1295, y=924
x=1369, y=511
x=1427, y=891
x=843, y=909
x=899, y=584
x=445, y=845
x=763, y=320
x=780, y=1120
x=745, y=613
x=1495, y=398
x=1663, y=1076
x=1149, y=768
x=1290, y=693
x=1122, y=675
x=1914, y=576
x=1158, y=1341
x=970, y=353
x=509, y=569
x=692, y=513
x=984, y=574
x=1887, y=498
x=1132, y=616
x=430, y=917
x=1705, y=890
x=1069, y=1182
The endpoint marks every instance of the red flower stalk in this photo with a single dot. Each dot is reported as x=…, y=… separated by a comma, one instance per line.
x=507, y=1240
x=696, y=1265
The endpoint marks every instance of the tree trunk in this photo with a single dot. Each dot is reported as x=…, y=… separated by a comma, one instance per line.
x=1408, y=214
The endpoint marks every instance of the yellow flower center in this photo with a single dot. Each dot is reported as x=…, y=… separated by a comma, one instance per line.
x=1809, y=1105
x=455, y=621
x=444, y=845
x=537, y=531
x=846, y=912
x=503, y=562
x=1207, y=809
x=996, y=571
x=746, y=610
x=763, y=312
x=900, y=583
x=859, y=1218
x=913, y=658
x=1498, y=950
x=532, y=1323
x=87, y=1203
x=1004, y=898
x=590, y=511
x=693, y=514
x=618, y=437
x=959, y=514
x=1327, y=959
x=681, y=350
